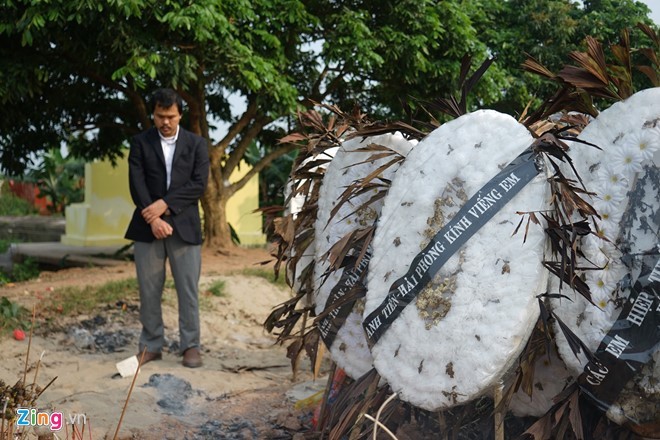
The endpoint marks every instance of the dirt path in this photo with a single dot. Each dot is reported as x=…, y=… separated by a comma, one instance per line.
x=244, y=390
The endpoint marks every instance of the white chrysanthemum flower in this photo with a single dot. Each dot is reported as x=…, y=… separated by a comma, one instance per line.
x=610, y=176
x=608, y=212
x=627, y=160
x=595, y=258
x=606, y=230
x=610, y=198
x=646, y=142
x=590, y=246
x=601, y=289
x=606, y=269
x=613, y=270
x=608, y=247
x=595, y=243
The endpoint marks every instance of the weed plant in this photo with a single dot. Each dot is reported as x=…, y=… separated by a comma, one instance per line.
x=217, y=288
x=72, y=301
x=266, y=274
x=28, y=269
x=12, y=316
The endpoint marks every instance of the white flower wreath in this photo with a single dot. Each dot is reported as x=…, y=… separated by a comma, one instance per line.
x=630, y=140
x=349, y=349
x=465, y=331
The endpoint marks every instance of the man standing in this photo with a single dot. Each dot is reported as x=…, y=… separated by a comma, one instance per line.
x=168, y=171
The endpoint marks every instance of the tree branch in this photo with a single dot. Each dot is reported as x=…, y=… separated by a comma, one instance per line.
x=236, y=128
x=315, y=93
x=248, y=136
x=133, y=96
x=263, y=163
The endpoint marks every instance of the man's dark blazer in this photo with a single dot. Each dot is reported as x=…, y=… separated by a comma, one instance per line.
x=148, y=182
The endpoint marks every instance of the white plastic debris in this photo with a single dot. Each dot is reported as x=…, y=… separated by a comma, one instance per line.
x=128, y=367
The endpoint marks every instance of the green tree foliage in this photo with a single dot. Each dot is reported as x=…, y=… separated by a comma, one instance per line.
x=548, y=30
x=77, y=71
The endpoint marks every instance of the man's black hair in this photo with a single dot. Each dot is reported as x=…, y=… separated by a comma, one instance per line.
x=166, y=98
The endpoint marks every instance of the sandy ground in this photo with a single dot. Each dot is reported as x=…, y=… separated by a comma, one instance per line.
x=245, y=389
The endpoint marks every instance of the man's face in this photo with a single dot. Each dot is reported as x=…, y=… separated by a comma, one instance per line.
x=167, y=119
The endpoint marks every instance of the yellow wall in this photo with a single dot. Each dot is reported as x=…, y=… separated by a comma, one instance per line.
x=240, y=209
x=101, y=220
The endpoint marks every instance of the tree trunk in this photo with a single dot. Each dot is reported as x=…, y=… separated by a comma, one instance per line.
x=217, y=234
x=214, y=203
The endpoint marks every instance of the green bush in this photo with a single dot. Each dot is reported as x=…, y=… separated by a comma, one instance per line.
x=4, y=245
x=12, y=316
x=26, y=270
x=12, y=205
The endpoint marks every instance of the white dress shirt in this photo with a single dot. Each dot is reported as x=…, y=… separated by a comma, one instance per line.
x=169, y=145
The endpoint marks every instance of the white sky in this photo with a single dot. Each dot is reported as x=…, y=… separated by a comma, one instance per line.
x=654, y=5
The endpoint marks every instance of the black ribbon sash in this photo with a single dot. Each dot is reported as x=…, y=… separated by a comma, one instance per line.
x=351, y=278
x=631, y=342
x=470, y=218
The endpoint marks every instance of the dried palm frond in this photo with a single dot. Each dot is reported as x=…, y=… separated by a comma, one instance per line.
x=593, y=76
x=574, y=417
x=451, y=106
x=350, y=249
x=651, y=54
x=567, y=221
x=523, y=378
x=571, y=124
x=294, y=232
x=345, y=416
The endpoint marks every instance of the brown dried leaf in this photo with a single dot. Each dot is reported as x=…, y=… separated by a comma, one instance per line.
x=356, y=292
x=650, y=73
x=581, y=78
x=575, y=416
x=283, y=227
x=377, y=196
x=650, y=32
x=355, y=399
x=293, y=138
x=533, y=66
x=541, y=429
x=340, y=249
x=621, y=51
x=312, y=342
